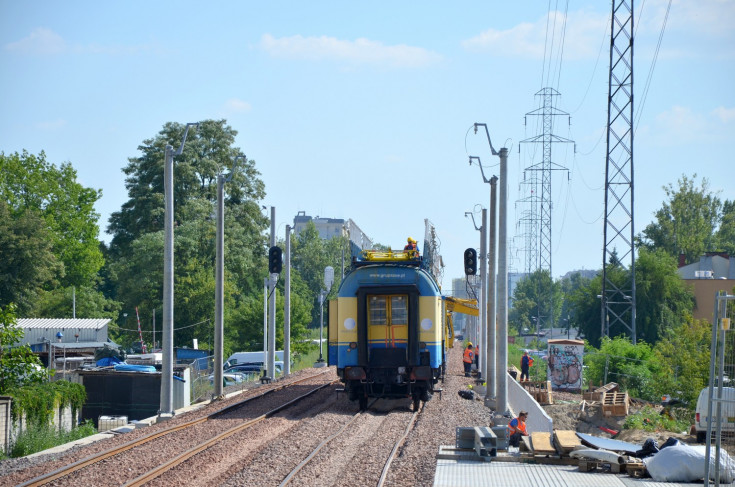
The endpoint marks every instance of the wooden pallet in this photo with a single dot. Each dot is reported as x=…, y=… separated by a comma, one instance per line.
x=615, y=404
x=636, y=469
x=539, y=390
x=595, y=465
x=597, y=394
x=541, y=444
x=566, y=440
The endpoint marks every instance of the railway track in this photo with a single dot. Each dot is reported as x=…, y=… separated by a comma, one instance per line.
x=69, y=470
x=341, y=431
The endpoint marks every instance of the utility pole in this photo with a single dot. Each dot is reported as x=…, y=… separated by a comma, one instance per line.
x=166, y=408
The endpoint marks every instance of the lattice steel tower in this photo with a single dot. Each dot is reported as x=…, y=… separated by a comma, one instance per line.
x=618, y=288
x=543, y=188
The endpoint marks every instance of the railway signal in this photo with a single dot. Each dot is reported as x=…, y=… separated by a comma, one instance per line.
x=275, y=261
x=470, y=262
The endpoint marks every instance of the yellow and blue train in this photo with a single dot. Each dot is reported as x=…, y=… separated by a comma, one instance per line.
x=386, y=329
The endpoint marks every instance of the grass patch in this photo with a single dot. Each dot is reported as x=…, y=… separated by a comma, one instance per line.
x=648, y=419
x=39, y=438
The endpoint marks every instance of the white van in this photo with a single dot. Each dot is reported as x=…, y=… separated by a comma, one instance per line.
x=251, y=358
x=728, y=413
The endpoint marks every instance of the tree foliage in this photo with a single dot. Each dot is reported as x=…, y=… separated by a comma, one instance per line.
x=19, y=366
x=683, y=355
x=30, y=183
x=27, y=261
x=686, y=223
x=631, y=366
x=537, y=298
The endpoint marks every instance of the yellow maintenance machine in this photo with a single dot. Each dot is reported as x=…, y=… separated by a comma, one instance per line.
x=456, y=305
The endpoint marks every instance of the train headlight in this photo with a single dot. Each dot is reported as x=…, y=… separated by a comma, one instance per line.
x=350, y=324
x=427, y=324
x=401, y=370
x=422, y=345
x=353, y=345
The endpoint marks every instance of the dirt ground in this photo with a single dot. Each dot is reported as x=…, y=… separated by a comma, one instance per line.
x=569, y=412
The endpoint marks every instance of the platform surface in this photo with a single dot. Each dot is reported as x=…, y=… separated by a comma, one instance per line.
x=462, y=473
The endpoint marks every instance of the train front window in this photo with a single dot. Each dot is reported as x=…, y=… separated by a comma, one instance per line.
x=398, y=310
x=388, y=310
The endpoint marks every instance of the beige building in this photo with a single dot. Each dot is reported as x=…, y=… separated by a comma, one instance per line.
x=713, y=273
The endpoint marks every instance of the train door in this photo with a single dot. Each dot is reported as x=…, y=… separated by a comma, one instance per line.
x=387, y=330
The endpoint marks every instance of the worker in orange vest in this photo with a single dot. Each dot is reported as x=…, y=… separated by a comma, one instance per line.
x=468, y=358
x=517, y=428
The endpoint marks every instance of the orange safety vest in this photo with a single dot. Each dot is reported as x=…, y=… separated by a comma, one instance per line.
x=469, y=356
x=521, y=427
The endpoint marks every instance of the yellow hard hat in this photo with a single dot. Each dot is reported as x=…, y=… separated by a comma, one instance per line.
x=411, y=240
x=469, y=344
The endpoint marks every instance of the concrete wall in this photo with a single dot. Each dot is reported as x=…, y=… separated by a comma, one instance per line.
x=520, y=400
x=5, y=422
x=64, y=419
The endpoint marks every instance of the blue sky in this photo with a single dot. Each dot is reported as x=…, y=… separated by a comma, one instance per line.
x=363, y=110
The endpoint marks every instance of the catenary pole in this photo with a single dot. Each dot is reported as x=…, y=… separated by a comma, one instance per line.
x=287, y=308
x=491, y=350
x=166, y=407
x=502, y=356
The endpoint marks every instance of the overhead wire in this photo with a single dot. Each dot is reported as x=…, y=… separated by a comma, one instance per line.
x=652, y=68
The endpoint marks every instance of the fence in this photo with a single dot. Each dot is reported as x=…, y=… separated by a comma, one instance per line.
x=721, y=426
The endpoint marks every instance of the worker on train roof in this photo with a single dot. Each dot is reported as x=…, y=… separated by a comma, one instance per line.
x=411, y=245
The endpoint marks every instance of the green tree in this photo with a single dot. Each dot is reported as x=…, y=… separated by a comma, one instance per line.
x=29, y=182
x=725, y=236
x=27, y=261
x=662, y=299
x=632, y=366
x=135, y=269
x=311, y=255
x=208, y=152
x=684, y=355
x=19, y=366
x=537, y=297
x=687, y=221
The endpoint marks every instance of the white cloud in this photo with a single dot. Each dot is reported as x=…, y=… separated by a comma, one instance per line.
x=52, y=124
x=359, y=51
x=724, y=114
x=41, y=41
x=583, y=35
x=236, y=105
x=44, y=41
x=681, y=125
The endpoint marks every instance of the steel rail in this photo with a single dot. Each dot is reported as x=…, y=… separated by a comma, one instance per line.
x=98, y=457
x=386, y=468
x=321, y=445
x=161, y=469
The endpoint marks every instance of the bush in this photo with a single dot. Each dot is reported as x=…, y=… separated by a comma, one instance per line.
x=42, y=437
x=38, y=401
x=648, y=419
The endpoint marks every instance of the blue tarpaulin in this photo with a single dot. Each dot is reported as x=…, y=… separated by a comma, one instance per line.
x=134, y=368
x=108, y=361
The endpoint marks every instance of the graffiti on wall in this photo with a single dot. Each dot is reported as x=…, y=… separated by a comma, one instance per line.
x=565, y=366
